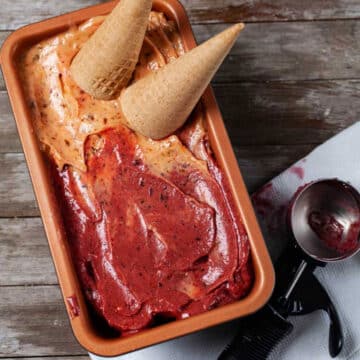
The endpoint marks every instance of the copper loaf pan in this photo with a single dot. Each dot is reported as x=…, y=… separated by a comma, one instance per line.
x=84, y=328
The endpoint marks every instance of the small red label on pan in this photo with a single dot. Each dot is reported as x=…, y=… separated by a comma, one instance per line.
x=73, y=306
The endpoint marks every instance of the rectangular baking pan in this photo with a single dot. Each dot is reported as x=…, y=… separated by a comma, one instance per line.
x=83, y=326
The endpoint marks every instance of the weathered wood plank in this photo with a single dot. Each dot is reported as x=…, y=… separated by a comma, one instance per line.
x=16, y=193
x=74, y=357
x=17, y=13
x=24, y=253
x=260, y=10
x=34, y=322
x=200, y=11
x=297, y=112
x=290, y=51
x=10, y=141
x=3, y=36
x=288, y=113
x=258, y=164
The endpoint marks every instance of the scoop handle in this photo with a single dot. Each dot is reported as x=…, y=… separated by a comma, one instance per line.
x=258, y=336
x=314, y=298
x=336, y=337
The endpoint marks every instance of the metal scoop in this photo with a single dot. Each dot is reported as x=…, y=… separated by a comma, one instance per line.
x=323, y=220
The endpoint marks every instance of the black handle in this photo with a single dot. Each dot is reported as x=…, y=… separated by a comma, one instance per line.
x=258, y=336
x=336, y=338
x=314, y=298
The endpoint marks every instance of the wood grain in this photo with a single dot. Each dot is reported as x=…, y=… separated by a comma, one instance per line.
x=17, y=13
x=13, y=15
x=10, y=141
x=3, y=36
x=308, y=112
x=289, y=51
x=24, y=253
x=266, y=10
x=258, y=164
x=35, y=323
x=16, y=193
x=72, y=357
x=305, y=112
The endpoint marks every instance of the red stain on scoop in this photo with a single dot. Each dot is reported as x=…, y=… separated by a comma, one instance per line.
x=332, y=234
x=73, y=306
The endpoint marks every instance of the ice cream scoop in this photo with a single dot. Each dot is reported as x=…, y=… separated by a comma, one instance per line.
x=159, y=104
x=324, y=224
x=325, y=220
x=105, y=63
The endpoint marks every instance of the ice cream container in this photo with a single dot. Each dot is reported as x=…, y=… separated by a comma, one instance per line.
x=85, y=328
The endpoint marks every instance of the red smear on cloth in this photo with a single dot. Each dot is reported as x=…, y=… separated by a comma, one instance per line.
x=298, y=171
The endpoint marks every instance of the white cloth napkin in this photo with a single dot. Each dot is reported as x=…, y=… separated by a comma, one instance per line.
x=337, y=158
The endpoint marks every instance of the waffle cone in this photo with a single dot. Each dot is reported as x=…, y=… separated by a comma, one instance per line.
x=105, y=63
x=160, y=103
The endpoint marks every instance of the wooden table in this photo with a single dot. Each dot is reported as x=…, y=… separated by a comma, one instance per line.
x=291, y=82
